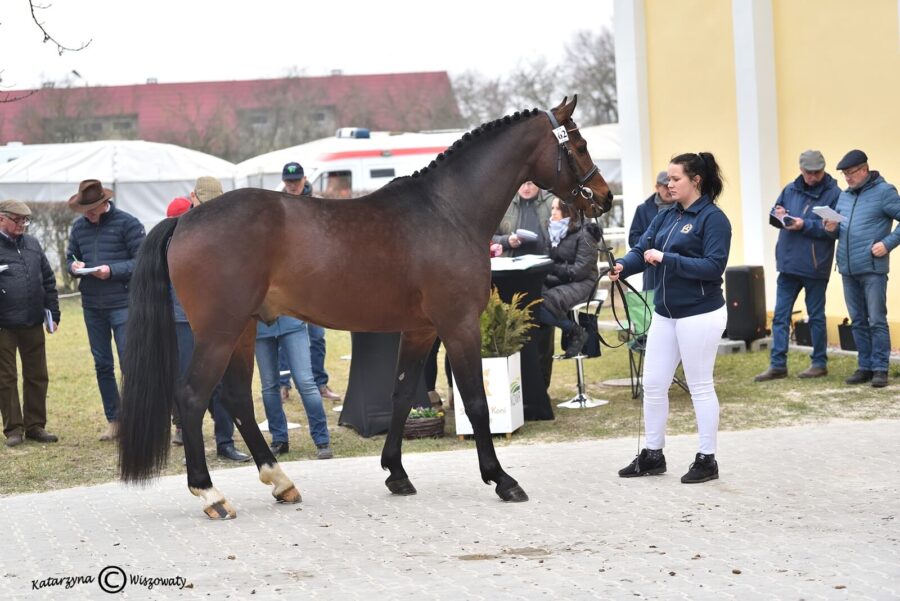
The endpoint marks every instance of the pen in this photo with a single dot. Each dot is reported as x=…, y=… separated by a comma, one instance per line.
x=74, y=258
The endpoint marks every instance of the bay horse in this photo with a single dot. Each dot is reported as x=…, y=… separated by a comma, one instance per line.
x=411, y=257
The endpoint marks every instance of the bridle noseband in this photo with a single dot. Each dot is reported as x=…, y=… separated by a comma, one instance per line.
x=562, y=138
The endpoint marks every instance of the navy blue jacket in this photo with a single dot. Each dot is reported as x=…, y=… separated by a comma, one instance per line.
x=643, y=215
x=27, y=284
x=808, y=252
x=113, y=241
x=695, y=245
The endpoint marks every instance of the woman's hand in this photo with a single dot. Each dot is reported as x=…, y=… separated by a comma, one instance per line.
x=653, y=256
x=613, y=274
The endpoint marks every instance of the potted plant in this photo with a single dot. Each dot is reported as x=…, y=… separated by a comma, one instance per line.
x=424, y=422
x=504, y=329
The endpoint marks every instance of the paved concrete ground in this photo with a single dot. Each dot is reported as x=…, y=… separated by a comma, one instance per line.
x=799, y=513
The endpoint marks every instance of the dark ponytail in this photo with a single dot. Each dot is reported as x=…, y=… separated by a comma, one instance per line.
x=702, y=164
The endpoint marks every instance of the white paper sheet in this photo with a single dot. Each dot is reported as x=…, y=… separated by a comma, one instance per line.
x=828, y=213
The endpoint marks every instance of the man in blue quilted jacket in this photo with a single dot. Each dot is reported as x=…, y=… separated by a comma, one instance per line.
x=870, y=206
x=103, y=245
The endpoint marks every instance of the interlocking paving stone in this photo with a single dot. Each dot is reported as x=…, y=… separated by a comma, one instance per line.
x=808, y=512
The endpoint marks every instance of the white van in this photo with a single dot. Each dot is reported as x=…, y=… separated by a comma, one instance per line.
x=353, y=162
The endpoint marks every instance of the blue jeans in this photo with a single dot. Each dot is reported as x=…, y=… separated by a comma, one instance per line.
x=317, y=349
x=297, y=352
x=224, y=425
x=866, y=298
x=545, y=316
x=284, y=379
x=789, y=287
x=102, y=326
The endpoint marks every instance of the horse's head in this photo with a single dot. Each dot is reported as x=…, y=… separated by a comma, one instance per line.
x=566, y=168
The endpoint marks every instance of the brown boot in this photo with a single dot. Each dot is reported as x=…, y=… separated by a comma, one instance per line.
x=814, y=371
x=773, y=373
x=112, y=431
x=435, y=399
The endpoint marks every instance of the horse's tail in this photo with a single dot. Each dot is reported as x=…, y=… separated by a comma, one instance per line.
x=150, y=362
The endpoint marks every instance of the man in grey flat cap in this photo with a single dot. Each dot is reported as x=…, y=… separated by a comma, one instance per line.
x=865, y=240
x=29, y=304
x=803, y=258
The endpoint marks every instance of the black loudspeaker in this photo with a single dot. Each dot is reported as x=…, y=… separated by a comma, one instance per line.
x=745, y=297
x=802, y=335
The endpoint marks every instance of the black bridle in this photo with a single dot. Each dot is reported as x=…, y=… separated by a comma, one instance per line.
x=563, y=147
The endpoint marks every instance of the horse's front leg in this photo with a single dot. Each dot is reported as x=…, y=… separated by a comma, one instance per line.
x=463, y=342
x=237, y=395
x=414, y=348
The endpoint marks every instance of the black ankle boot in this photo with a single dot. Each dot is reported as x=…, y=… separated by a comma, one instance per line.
x=648, y=463
x=703, y=469
x=577, y=337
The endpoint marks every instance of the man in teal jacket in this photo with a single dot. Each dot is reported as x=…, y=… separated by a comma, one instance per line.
x=870, y=206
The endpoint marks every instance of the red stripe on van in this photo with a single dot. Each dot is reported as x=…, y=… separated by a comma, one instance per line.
x=368, y=154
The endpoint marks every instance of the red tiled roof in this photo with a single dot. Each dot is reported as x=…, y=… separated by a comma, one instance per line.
x=388, y=101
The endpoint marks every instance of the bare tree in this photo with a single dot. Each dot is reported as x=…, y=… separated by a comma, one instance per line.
x=590, y=67
x=480, y=98
x=65, y=114
x=60, y=49
x=589, y=70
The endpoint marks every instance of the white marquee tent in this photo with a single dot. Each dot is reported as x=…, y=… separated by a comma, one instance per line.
x=145, y=176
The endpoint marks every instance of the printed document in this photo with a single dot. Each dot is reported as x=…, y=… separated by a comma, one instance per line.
x=828, y=213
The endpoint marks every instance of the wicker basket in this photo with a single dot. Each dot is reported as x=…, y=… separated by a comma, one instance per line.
x=424, y=427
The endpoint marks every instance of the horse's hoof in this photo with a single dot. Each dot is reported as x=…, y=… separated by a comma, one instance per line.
x=513, y=495
x=401, y=487
x=291, y=495
x=220, y=511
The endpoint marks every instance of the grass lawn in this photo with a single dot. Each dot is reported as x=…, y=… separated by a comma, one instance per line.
x=75, y=412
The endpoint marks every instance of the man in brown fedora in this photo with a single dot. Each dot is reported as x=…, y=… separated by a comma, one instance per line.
x=103, y=245
x=29, y=303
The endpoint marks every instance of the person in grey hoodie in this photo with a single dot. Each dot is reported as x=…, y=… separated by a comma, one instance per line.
x=870, y=205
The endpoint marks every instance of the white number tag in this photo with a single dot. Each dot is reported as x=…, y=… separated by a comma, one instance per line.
x=562, y=136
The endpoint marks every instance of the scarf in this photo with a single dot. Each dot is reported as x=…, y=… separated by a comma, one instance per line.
x=558, y=231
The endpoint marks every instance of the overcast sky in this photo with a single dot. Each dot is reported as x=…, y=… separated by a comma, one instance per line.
x=210, y=40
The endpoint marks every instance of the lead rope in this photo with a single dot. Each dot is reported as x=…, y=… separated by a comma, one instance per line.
x=617, y=286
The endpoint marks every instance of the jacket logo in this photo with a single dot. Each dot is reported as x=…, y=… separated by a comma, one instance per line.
x=688, y=227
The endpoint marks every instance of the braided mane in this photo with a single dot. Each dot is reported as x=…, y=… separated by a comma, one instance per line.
x=478, y=131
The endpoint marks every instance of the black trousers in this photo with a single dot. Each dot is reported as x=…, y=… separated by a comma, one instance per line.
x=30, y=344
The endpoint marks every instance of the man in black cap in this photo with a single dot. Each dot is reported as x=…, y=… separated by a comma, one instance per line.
x=295, y=180
x=869, y=206
x=296, y=184
x=803, y=257
x=29, y=303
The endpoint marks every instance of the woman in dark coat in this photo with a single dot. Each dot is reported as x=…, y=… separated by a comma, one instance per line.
x=573, y=248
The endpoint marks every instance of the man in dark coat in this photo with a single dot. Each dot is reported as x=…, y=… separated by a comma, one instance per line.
x=661, y=200
x=103, y=245
x=28, y=303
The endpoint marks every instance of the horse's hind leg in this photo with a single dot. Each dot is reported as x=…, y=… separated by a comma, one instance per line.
x=193, y=401
x=414, y=348
x=463, y=344
x=237, y=396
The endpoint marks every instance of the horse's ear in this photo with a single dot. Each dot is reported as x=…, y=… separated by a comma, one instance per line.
x=561, y=104
x=564, y=111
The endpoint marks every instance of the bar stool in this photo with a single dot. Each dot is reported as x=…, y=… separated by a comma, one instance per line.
x=581, y=400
